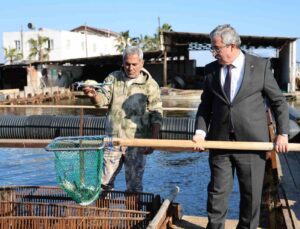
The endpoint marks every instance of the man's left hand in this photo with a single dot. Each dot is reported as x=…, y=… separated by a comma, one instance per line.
x=154, y=135
x=281, y=143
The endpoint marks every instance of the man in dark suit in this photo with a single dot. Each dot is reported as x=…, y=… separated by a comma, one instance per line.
x=233, y=108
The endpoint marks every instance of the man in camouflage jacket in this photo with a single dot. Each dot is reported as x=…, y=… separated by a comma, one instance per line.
x=135, y=111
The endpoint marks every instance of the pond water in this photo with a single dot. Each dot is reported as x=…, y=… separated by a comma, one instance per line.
x=163, y=170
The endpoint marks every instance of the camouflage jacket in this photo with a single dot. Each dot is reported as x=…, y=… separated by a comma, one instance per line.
x=132, y=107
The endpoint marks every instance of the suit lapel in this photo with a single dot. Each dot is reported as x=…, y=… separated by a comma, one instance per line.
x=246, y=81
x=217, y=86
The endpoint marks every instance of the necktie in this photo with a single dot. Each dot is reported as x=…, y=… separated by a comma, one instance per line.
x=228, y=81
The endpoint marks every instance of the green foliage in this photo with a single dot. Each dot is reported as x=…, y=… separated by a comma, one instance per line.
x=146, y=43
x=123, y=41
x=166, y=27
x=38, y=48
x=12, y=55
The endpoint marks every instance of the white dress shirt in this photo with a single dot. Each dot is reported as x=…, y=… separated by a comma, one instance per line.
x=237, y=73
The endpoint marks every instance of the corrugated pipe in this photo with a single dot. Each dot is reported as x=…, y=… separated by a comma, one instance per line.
x=49, y=127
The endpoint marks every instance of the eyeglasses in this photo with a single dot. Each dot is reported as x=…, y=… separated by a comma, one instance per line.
x=215, y=49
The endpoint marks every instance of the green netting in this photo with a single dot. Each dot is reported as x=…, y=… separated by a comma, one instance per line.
x=78, y=165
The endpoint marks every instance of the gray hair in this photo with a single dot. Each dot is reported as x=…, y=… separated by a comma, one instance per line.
x=227, y=33
x=131, y=50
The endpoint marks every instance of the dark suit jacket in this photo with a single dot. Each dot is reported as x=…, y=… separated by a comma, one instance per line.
x=247, y=110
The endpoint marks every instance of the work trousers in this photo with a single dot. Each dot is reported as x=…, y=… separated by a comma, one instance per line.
x=249, y=167
x=134, y=162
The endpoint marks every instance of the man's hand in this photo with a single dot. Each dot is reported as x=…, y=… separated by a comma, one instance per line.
x=198, y=138
x=281, y=143
x=92, y=94
x=89, y=91
x=155, y=128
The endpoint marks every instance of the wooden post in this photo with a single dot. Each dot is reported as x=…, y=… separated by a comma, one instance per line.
x=272, y=153
x=165, y=77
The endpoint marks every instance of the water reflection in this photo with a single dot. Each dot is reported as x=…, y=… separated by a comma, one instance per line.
x=26, y=167
x=295, y=104
x=51, y=110
x=171, y=159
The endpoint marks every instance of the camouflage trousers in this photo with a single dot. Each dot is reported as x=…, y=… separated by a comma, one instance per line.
x=134, y=163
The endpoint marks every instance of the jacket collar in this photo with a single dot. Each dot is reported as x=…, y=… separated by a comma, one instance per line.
x=247, y=77
x=141, y=79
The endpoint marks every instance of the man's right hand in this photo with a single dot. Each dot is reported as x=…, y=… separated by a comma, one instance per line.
x=89, y=92
x=198, y=138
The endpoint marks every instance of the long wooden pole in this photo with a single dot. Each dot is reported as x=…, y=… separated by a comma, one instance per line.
x=178, y=145
x=189, y=145
x=162, y=212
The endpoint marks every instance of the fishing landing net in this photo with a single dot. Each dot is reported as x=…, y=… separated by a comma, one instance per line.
x=78, y=165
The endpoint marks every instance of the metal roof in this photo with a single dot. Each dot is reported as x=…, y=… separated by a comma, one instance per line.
x=107, y=59
x=178, y=42
x=202, y=40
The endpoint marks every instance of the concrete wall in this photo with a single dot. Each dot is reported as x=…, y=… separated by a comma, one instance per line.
x=66, y=44
x=287, y=59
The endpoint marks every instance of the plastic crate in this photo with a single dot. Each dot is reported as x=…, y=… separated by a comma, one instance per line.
x=50, y=207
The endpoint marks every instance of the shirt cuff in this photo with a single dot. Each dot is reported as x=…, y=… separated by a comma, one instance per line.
x=200, y=132
x=284, y=135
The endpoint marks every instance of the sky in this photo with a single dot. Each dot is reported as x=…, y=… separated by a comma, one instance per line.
x=279, y=18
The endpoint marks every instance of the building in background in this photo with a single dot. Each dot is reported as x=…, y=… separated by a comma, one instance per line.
x=81, y=42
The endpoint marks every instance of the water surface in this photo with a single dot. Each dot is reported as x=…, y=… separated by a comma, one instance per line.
x=163, y=171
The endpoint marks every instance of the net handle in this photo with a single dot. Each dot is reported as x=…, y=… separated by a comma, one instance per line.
x=73, y=149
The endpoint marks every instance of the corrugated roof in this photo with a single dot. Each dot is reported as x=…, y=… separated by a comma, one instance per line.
x=107, y=59
x=182, y=38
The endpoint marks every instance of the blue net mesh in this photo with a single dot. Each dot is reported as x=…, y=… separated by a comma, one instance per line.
x=78, y=165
